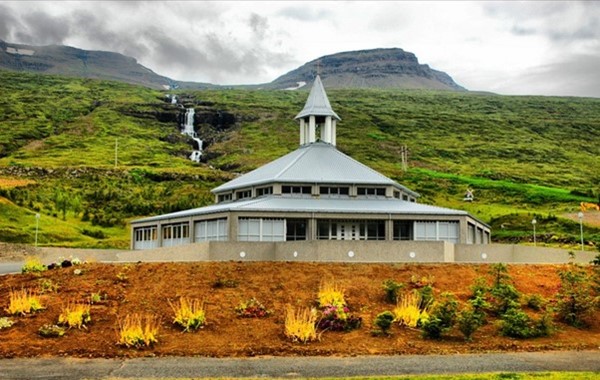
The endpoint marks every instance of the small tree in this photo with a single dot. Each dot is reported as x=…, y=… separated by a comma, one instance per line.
x=468, y=322
x=384, y=321
x=575, y=302
x=391, y=289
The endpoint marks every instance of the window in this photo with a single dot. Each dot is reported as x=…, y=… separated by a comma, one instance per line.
x=145, y=238
x=211, y=230
x=396, y=194
x=441, y=230
x=351, y=230
x=224, y=197
x=471, y=234
x=261, y=229
x=334, y=192
x=370, y=192
x=404, y=197
x=175, y=234
x=264, y=191
x=242, y=194
x=295, y=229
x=296, y=190
x=403, y=229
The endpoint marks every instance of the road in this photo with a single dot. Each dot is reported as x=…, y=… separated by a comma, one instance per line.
x=293, y=367
x=6, y=268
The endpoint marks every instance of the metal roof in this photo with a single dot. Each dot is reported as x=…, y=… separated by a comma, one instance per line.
x=274, y=203
x=317, y=103
x=319, y=163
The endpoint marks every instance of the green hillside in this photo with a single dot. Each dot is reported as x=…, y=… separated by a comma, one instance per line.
x=524, y=156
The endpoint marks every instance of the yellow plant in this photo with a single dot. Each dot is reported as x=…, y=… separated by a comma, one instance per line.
x=33, y=265
x=301, y=326
x=407, y=311
x=331, y=294
x=75, y=315
x=138, y=331
x=189, y=314
x=23, y=302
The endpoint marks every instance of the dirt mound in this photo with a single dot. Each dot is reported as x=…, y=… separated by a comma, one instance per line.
x=148, y=288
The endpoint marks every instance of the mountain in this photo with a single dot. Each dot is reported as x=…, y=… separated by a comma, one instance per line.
x=70, y=61
x=377, y=68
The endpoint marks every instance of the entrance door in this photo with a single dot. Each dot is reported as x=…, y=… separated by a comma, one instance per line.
x=348, y=231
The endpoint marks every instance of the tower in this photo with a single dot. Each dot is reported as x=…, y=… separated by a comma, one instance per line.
x=317, y=114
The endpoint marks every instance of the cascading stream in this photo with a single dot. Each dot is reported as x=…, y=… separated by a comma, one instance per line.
x=188, y=129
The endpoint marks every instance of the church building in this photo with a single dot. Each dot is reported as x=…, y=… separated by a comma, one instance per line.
x=315, y=192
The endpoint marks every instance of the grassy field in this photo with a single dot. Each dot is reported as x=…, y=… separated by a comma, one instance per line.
x=524, y=156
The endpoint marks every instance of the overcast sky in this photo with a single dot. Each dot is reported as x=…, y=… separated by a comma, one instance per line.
x=507, y=47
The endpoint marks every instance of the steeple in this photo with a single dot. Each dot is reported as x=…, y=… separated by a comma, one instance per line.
x=317, y=113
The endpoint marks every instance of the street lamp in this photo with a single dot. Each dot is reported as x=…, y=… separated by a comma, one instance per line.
x=533, y=223
x=37, y=225
x=580, y=216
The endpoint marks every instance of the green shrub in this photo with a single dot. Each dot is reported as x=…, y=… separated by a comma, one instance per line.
x=516, y=323
x=504, y=297
x=426, y=293
x=33, y=265
x=432, y=328
x=575, y=302
x=391, y=289
x=468, y=322
x=442, y=317
x=5, y=323
x=535, y=302
x=384, y=321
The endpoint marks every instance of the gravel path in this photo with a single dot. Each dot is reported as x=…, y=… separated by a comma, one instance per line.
x=286, y=367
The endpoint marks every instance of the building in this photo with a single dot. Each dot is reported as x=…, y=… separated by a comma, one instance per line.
x=313, y=193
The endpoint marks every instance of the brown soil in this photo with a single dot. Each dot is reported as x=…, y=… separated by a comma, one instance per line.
x=148, y=287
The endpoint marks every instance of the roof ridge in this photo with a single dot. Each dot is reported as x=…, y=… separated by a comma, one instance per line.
x=288, y=166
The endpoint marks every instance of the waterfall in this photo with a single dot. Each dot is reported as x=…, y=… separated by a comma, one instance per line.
x=188, y=129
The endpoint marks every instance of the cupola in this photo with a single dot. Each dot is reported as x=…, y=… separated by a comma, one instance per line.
x=317, y=114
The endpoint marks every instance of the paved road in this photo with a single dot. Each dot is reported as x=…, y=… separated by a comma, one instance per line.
x=285, y=367
x=12, y=267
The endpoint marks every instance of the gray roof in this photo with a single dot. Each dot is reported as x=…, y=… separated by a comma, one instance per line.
x=317, y=103
x=319, y=163
x=275, y=203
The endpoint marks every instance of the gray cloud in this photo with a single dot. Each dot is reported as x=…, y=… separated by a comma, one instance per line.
x=42, y=29
x=304, y=13
x=7, y=21
x=258, y=24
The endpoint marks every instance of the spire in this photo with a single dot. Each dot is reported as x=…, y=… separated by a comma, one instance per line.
x=317, y=112
x=317, y=103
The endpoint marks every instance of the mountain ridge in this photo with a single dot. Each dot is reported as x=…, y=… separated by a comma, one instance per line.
x=374, y=68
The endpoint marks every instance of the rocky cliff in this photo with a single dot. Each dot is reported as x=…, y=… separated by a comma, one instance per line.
x=377, y=68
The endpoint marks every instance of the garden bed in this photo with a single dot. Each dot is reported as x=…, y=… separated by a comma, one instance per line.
x=151, y=288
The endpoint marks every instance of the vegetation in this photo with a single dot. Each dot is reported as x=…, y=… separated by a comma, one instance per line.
x=189, y=314
x=138, y=331
x=23, y=302
x=408, y=311
x=75, y=315
x=524, y=156
x=33, y=265
x=300, y=326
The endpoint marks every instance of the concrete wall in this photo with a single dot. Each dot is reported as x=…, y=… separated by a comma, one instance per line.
x=358, y=251
x=505, y=253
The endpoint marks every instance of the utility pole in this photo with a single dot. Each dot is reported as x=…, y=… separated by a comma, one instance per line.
x=404, y=157
x=116, y=151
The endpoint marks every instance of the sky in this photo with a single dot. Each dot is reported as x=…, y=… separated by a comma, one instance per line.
x=505, y=47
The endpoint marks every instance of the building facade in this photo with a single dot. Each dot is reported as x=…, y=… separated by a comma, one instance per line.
x=313, y=193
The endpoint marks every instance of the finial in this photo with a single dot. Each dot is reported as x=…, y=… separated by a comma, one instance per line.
x=319, y=67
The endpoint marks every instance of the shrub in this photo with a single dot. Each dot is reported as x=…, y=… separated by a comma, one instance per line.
x=535, y=302
x=47, y=285
x=391, y=289
x=426, y=293
x=517, y=324
x=575, y=302
x=419, y=282
x=441, y=318
x=384, y=321
x=252, y=308
x=75, y=315
x=338, y=318
x=51, y=331
x=504, y=297
x=330, y=294
x=189, y=314
x=432, y=328
x=468, y=322
x=300, y=326
x=33, y=265
x=5, y=323
x=138, y=331
x=23, y=302
x=407, y=311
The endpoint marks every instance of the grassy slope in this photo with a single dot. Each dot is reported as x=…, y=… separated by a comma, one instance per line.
x=523, y=156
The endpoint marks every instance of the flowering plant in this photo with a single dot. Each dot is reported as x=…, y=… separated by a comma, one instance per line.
x=252, y=308
x=338, y=318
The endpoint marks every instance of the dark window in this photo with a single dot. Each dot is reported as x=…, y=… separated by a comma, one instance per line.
x=264, y=191
x=334, y=191
x=243, y=194
x=371, y=191
x=403, y=230
x=224, y=197
x=295, y=229
x=295, y=189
